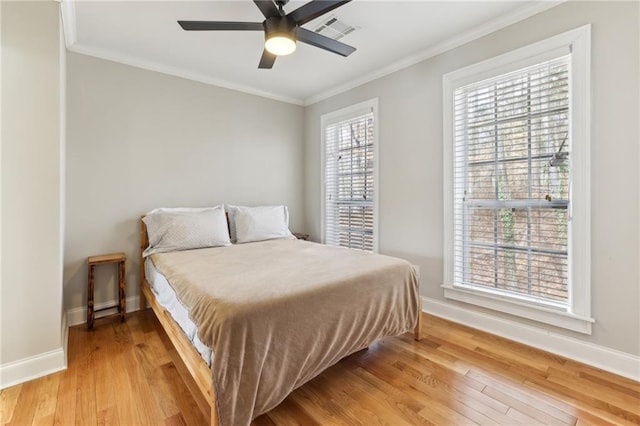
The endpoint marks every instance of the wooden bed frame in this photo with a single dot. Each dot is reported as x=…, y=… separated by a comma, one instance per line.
x=198, y=369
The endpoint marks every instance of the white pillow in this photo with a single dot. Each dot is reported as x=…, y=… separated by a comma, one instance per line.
x=184, y=230
x=231, y=211
x=181, y=209
x=260, y=223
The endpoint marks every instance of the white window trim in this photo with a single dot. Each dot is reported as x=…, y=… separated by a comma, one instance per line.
x=325, y=120
x=578, y=42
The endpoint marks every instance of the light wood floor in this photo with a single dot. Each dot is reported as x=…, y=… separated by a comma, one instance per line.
x=129, y=374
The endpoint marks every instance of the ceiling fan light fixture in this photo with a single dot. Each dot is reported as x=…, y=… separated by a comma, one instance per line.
x=280, y=44
x=281, y=30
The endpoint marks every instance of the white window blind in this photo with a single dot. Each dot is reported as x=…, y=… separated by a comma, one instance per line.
x=349, y=181
x=512, y=168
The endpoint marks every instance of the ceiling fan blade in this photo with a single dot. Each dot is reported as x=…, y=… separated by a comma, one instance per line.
x=220, y=26
x=323, y=42
x=267, y=60
x=313, y=9
x=267, y=7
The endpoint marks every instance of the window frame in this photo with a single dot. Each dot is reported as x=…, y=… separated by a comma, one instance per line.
x=577, y=316
x=369, y=106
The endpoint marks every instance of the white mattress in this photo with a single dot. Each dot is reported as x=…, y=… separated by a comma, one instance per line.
x=166, y=297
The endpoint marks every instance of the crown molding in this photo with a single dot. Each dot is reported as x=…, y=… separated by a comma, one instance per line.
x=68, y=13
x=466, y=37
x=69, y=26
x=70, y=32
x=114, y=56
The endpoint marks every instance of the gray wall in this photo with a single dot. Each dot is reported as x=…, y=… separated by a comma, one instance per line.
x=410, y=174
x=31, y=181
x=139, y=139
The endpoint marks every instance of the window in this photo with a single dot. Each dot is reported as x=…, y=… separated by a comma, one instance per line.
x=349, y=179
x=516, y=154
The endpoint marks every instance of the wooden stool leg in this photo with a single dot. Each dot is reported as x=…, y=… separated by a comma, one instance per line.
x=90, y=299
x=123, y=300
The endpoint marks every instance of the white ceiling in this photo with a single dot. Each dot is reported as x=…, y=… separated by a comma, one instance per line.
x=390, y=35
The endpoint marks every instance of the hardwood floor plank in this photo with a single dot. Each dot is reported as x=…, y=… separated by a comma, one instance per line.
x=263, y=420
x=26, y=404
x=585, y=422
x=66, y=399
x=521, y=418
x=47, y=400
x=364, y=403
x=468, y=406
x=292, y=414
x=525, y=408
x=129, y=374
x=125, y=403
x=471, y=396
x=599, y=410
x=186, y=378
x=86, y=411
x=108, y=416
x=390, y=396
x=580, y=369
x=515, y=362
x=147, y=410
x=523, y=352
x=514, y=354
x=606, y=400
x=8, y=401
x=427, y=357
x=43, y=420
x=406, y=408
x=420, y=387
x=187, y=406
x=471, y=356
x=622, y=400
x=324, y=405
x=177, y=420
x=521, y=394
x=613, y=383
x=106, y=393
x=88, y=344
x=443, y=359
x=135, y=328
x=451, y=417
x=451, y=335
x=157, y=348
x=156, y=379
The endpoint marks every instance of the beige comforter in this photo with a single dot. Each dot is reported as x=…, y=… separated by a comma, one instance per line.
x=277, y=313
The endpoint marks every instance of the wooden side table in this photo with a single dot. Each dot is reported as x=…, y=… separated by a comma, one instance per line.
x=92, y=261
x=301, y=236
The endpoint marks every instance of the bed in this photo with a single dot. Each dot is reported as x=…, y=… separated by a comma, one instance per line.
x=275, y=334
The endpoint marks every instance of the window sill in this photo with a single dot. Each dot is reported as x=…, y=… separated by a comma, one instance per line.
x=542, y=314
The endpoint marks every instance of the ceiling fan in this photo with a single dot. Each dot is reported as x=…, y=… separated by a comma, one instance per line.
x=281, y=30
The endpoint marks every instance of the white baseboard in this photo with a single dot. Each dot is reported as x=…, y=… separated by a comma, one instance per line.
x=23, y=370
x=79, y=315
x=611, y=360
x=65, y=339
x=36, y=366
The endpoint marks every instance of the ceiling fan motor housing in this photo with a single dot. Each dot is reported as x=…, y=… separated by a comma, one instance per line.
x=279, y=25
